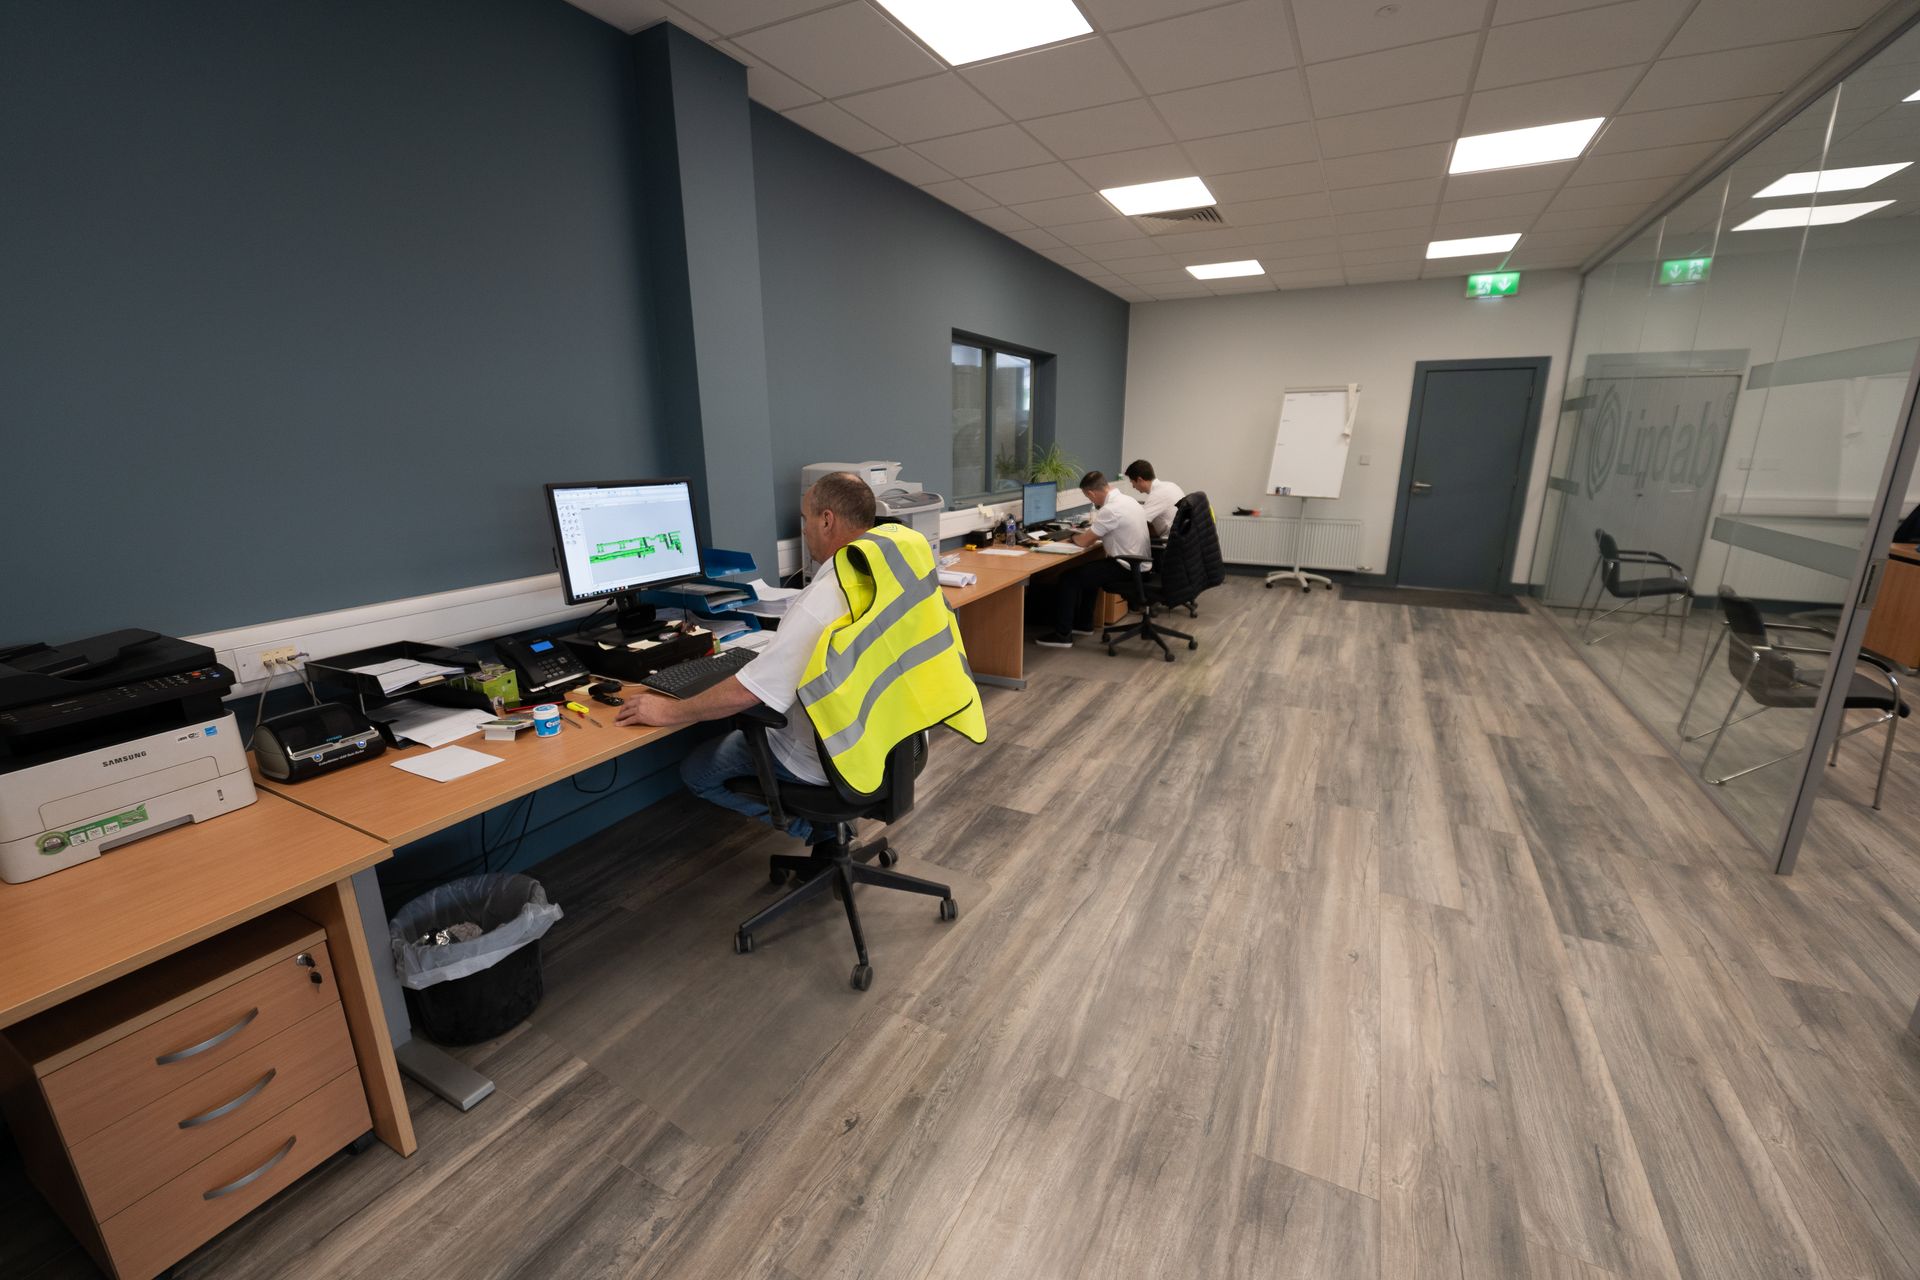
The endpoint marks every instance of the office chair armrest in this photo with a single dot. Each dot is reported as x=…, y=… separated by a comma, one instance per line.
x=1892, y=666
x=1799, y=648
x=1138, y=564
x=1799, y=626
x=754, y=723
x=1648, y=557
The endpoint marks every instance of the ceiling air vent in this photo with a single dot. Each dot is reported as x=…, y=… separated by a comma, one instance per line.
x=1155, y=224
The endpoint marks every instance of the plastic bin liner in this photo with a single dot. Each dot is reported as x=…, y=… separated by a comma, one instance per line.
x=512, y=910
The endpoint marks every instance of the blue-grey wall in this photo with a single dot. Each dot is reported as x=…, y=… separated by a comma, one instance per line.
x=865, y=280
x=302, y=302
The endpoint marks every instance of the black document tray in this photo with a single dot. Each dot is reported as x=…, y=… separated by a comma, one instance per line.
x=337, y=672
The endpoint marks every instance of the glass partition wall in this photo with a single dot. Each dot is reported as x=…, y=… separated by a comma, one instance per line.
x=1736, y=405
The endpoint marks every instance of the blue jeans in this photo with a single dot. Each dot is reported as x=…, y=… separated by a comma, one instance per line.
x=709, y=766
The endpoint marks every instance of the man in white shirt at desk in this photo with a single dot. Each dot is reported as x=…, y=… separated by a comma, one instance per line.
x=1120, y=526
x=1159, y=497
x=835, y=511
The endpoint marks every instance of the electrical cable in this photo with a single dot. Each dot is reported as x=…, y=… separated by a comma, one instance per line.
x=597, y=791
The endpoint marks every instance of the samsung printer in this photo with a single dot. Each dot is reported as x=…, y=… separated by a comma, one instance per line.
x=106, y=740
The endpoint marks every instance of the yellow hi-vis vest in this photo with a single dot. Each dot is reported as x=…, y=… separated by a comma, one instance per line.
x=894, y=665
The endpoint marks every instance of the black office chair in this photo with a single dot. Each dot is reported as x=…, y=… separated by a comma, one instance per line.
x=1179, y=574
x=1631, y=591
x=1765, y=670
x=835, y=864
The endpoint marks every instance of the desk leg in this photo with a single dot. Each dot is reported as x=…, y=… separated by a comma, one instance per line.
x=336, y=910
x=994, y=628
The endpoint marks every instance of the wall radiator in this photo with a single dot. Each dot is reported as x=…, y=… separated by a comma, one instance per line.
x=1269, y=540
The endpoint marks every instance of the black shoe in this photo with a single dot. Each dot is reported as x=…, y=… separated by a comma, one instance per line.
x=1055, y=641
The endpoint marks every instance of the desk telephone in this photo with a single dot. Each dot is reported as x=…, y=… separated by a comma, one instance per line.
x=543, y=665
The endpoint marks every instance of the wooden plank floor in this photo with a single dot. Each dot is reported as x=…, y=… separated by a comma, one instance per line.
x=1366, y=941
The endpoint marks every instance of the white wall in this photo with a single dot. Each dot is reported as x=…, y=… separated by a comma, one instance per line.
x=1205, y=378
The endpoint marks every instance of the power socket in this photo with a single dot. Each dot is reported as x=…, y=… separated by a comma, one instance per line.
x=264, y=663
x=274, y=657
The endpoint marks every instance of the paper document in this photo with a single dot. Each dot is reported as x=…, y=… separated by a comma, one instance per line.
x=428, y=725
x=750, y=640
x=1002, y=551
x=763, y=608
x=768, y=594
x=1058, y=549
x=956, y=578
x=447, y=763
x=401, y=672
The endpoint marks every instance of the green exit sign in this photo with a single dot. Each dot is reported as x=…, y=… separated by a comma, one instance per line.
x=1493, y=284
x=1685, y=270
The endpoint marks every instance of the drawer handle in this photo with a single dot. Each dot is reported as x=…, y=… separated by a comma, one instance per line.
x=239, y=1183
x=181, y=1055
x=228, y=1107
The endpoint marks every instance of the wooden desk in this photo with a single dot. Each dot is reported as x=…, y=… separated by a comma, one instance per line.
x=993, y=611
x=78, y=929
x=399, y=807
x=1894, y=626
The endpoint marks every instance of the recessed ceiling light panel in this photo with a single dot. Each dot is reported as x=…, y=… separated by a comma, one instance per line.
x=1912, y=97
x=1472, y=246
x=1225, y=270
x=1159, y=197
x=1818, y=180
x=979, y=29
x=1513, y=148
x=1817, y=216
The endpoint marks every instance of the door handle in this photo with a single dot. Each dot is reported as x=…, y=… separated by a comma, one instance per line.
x=1421, y=486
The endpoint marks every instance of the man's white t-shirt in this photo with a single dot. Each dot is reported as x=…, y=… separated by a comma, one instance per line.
x=1159, y=501
x=1121, y=527
x=774, y=677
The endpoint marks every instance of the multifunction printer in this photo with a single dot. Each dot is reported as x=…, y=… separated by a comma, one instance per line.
x=109, y=739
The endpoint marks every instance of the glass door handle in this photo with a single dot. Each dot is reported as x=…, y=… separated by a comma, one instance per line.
x=1421, y=486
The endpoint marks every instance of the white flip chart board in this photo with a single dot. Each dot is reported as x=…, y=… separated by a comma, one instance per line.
x=1310, y=443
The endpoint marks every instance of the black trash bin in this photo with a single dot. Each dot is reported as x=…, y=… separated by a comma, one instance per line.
x=466, y=992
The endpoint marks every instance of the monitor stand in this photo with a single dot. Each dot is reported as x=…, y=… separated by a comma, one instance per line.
x=632, y=617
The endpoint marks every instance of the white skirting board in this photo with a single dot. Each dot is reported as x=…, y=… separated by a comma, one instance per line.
x=1270, y=540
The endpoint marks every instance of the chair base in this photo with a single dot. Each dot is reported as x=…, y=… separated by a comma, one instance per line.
x=1144, y=628
x=1301, y=576
x=836, y=866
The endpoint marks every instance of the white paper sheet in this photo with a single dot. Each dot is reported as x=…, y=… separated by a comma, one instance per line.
x=956, y=578
x=401, y=672
x=431, y=726
x=447, y=763
x=767, y=594
x=1001, y=551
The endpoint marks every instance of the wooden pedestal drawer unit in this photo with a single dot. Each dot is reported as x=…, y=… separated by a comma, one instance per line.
x=158, y=1110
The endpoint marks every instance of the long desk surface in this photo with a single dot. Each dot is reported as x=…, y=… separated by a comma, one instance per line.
x=998, y=572
x=78, y=929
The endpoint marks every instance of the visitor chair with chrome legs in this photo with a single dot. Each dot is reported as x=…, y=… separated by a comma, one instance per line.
x=1631, y=591
x=1766, y=671
x=834, y=864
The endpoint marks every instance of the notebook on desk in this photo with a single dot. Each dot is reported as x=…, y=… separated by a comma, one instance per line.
x=1058, y=549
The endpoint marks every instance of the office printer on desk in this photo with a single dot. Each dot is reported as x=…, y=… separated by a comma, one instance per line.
x=106, y=740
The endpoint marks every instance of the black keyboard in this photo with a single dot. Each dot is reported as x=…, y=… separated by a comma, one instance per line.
x=697, y=675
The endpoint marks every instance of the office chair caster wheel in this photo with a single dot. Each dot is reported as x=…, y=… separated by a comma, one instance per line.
x=887, y=858
x=1192, y=645
x=1112, y=652
x=1167, y=656
x=862, y=977
x=949, y=909
x=777, y=876
x=1269, y=586
x=743, y=943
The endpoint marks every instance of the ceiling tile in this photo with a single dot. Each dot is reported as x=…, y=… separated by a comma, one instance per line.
x=1387, y=195
x=840, y=51
x=1703, y=122
x=1226, y=43
x=1517, y=208
x=1099, y=231
x=1655, y=162
x=1273, y=251
x=1395, y=237
x=1446, y=268
x=1389, y=127
x=1256, y=149
x=1611, y=216
x=1310, y=280
x=1437, y=69
x=959, y=195
x=1508, y=182
x=1341, y=28
x=1117, y=127
x=1445, y=228
x=1066, y=256
x=1573, y=42
x=1729, y=24
x=1048, y=81
x=1300, y=262
x=1124, y=168
x=1034, y=238
x=1159, y=275
x=730, y=16
x=1048, y=213
x=1178, y=292
x=1208, y=241
x=1112, y=15
x=1023, y=186
x=1264, y=184
x=1122, y=250
x=1002, y=219
x=1521, y=10
x=1412, y=252
x=637, y=15
x=765, y=85
x=1735, y=73
x=1376, y=167
x=1382, y=275
x=1640, y=191
x=1521, y=106
x=1571, y=238
x=921, y=109
x=984, y=151
x=1256, y=102
x=839, y=128
x=909, y=166
x=1384, y=219
x=1281, y=209
x=1234, y=285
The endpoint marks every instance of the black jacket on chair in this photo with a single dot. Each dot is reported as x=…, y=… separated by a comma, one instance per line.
x=1186, y=564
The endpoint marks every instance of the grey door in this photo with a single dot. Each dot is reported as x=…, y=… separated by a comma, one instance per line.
x=1469, y=438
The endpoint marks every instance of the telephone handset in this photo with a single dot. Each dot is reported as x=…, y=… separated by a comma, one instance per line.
x=543, y=665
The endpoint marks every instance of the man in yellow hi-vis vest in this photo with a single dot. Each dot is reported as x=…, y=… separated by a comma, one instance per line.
x=835, y=512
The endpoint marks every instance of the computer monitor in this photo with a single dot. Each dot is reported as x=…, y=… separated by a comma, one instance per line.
x=1039, y=503
x=619, y=537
